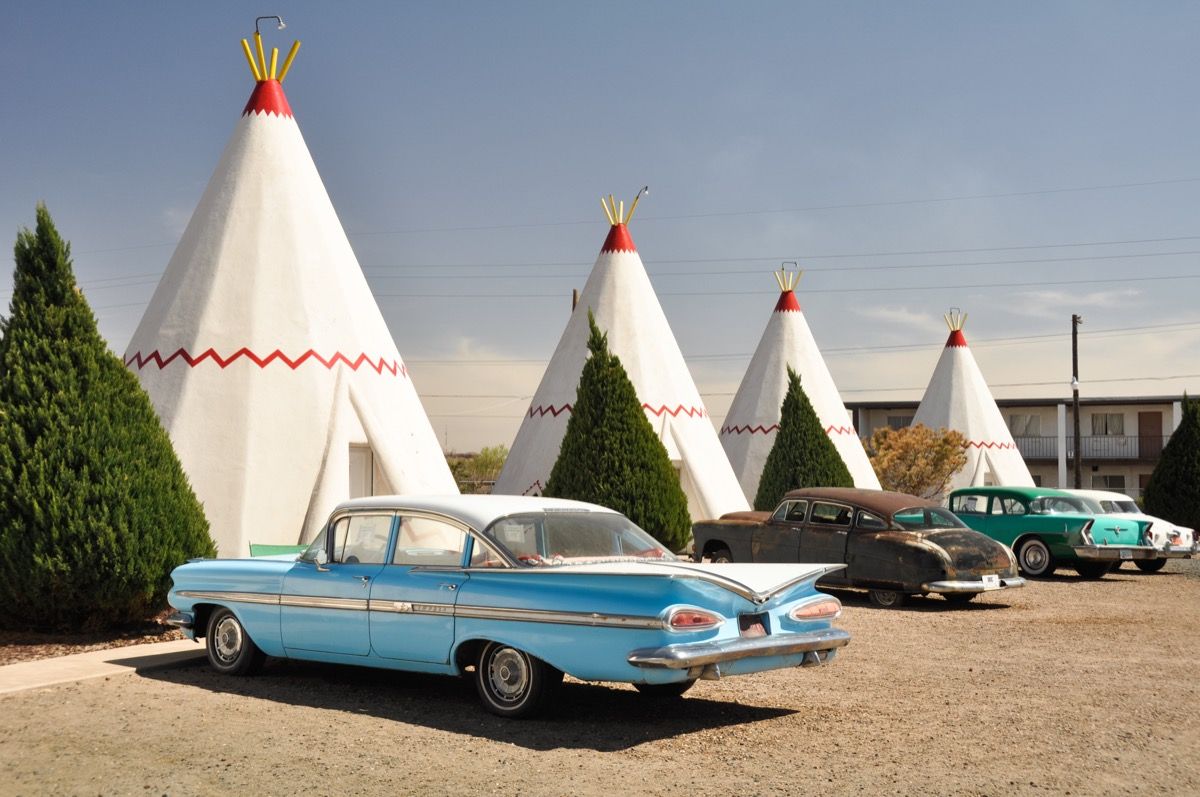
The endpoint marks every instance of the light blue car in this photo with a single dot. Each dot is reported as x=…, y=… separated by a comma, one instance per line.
x=514, y=590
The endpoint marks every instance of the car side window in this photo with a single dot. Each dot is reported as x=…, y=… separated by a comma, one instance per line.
x=428, y=541
x=870, y=522
x=1009, y=506
x=361, y=539
x=830, y=514
x=969, y=504
x=483, y=556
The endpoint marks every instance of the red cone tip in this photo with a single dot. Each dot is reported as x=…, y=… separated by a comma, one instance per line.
x=787, y=303
x=618, y=240
x=956, y=339
x=268, y=97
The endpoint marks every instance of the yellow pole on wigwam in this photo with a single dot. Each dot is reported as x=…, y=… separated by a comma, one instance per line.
x=607, y=212
x=262, y=58
x=250, y=60
x=287, y=63
x=274, y=60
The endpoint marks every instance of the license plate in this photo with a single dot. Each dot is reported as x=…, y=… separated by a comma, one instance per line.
x=1126, y=553
x=991, y=582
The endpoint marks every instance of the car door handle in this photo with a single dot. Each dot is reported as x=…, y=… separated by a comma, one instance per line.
x=364, y=579
x=450, y=587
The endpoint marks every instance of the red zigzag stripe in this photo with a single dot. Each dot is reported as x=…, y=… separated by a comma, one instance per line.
x=142, y=360
x=695, y=412
x=775, y=427
x=981, y=444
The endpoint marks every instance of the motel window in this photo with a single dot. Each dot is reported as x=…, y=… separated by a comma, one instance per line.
x=899, y=421
x=1108, y=423
x=1109, y=481
x=1024, y=425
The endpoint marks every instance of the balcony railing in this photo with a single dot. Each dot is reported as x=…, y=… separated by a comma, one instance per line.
x=1110, y=446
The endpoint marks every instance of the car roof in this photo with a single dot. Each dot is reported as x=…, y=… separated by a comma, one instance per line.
x=881, y=502
x=1101, y=495
x=477, y=511
x=1028, y=493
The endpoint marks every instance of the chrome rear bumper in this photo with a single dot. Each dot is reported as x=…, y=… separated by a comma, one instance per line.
x=1115, y=553
x=181, y=619
x=685, y=656
x=971, y=586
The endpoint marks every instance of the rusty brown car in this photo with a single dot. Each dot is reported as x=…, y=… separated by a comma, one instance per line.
x=894, y=545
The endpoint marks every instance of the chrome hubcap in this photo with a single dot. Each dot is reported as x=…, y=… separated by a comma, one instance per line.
x=1035, y=558
x=227, y=640
x=508, y=675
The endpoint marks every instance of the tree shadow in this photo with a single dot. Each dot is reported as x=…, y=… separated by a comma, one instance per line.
x=583, y=716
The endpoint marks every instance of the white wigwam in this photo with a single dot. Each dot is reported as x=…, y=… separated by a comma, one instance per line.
x=958, y=398
x=753, y=419
x=619, y=294
x=265, y=354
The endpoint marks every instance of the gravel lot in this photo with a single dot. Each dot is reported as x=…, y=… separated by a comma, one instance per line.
x=1064, y=687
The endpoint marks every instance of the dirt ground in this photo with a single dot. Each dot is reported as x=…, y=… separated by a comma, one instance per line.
x=1064, y=687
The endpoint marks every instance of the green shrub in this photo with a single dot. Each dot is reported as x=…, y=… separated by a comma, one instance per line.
x=802, y=455
x=611, y=456
x=95, y=509
x=1173, y=492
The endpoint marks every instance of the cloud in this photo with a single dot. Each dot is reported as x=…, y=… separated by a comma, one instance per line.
x=175, y=219
x=903, y=317
x=1054, y=304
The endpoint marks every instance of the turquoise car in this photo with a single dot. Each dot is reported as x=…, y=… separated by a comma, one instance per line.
x=514, y=591
x=1047, y=528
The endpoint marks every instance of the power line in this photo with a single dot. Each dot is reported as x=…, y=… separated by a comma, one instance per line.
x=976, y=343
x=839, y=270
x=807, y=209
x=892, y=289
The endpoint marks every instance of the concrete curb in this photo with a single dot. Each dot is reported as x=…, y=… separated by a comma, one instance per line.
x=95, y=664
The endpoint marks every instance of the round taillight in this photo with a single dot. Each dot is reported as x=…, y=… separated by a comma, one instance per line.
x=693, y=620
x=824, y=609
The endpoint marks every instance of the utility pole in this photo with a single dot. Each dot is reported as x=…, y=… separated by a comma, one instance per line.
x=1076, y=320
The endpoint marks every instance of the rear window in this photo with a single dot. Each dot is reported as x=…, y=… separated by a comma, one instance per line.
x=927, y=517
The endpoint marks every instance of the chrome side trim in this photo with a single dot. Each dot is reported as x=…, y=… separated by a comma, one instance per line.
x=407, y=607
x=518, y=615
x=686, y=656
x=310, y=602
x=971, y=586
x=559, y=618
x=238, y=597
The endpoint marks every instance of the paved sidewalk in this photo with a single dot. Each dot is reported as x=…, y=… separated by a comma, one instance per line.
x=95, y=664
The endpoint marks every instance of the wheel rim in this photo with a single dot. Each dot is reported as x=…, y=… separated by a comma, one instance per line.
x=227, y=639
x=886, y=597
x=508, y=676
x=1035, y=557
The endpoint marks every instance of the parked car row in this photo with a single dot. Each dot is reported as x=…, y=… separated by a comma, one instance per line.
x=516, y=591
x=896, y=545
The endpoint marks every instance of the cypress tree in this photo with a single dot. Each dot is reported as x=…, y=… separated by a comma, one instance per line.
x=803, y=455
x=95, y=509
x=1173, y=492
x=611, y=456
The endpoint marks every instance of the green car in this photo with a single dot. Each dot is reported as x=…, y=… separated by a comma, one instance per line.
x=1048, y=528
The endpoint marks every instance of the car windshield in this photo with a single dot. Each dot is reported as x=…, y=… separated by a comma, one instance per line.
x=927, y=517
x=1091, y=505
x=575, y=537
x=1058, y=505
x=1128, y=506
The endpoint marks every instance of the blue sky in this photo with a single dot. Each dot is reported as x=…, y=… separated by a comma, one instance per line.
x=1020, y=161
